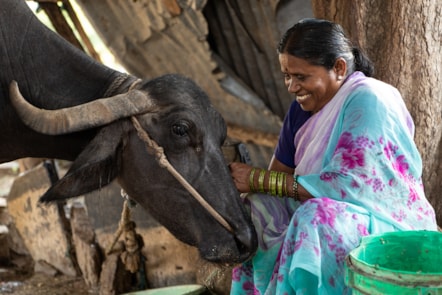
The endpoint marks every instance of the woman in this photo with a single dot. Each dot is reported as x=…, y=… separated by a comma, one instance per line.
x=350, y=168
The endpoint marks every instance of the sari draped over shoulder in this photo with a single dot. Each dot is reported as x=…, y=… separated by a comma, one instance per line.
x=357, y=158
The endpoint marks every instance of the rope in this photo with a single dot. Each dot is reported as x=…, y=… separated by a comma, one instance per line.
x=124, y=219
x=115, y=85
x=125, y=214
x=133, y=242
x=125, y=224
x=153, y=147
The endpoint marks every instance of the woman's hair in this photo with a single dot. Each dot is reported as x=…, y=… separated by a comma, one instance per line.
x=322, y=42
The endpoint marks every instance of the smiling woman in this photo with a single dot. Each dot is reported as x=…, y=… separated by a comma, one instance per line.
x=313, y=85
x=345, y=167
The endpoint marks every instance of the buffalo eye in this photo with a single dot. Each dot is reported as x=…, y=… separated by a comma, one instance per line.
x=180, y=129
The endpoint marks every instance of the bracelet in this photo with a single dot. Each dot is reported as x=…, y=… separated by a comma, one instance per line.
x=284, y=185
x=262, y=173
x=277, y=184
x=252, y=180
x=280, y=184
x=295, y=187
x=272, y=182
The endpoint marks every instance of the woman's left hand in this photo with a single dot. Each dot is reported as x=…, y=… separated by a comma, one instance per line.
x=240, y=175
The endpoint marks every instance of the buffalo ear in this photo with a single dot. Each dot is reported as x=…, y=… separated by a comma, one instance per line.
x=95, y=167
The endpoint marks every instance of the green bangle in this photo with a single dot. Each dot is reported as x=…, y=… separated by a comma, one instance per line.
x=252, y=180
x=272, y=182
x=262, y=173
x=295, y=187
x=280, y=184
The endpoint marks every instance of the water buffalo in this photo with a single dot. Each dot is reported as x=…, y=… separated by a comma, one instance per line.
x=65, y=105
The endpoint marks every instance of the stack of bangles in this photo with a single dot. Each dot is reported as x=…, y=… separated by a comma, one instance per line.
x=276, y=183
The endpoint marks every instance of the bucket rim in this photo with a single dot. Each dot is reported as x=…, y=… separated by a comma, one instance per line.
x=406, y=278
x=410, y=279
x=183, y=289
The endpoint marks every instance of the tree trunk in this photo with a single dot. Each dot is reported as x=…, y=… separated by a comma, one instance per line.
x=404, y=40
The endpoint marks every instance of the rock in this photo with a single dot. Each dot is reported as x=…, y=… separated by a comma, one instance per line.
x=45, y=268
x=40, y=226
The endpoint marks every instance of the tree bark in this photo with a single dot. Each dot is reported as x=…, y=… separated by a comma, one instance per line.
x=404, y=40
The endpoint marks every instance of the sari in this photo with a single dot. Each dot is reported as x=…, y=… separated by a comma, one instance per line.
x=358, y=160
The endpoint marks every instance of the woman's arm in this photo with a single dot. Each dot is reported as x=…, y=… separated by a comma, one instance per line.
x=276, y=165
x=241, y=177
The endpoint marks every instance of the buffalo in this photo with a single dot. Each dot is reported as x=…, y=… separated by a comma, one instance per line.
x=57, y=102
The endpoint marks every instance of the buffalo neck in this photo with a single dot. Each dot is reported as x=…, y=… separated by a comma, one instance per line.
x=51, y=74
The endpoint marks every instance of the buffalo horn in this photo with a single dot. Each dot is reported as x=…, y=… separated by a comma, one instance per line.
x=81, y=117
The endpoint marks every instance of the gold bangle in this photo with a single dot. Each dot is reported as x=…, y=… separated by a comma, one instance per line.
x=262, y=173
x=281, y=183
x=295, y=187
x=277, y=184
x=284, y=185
x=252, y=180
x=272, y=182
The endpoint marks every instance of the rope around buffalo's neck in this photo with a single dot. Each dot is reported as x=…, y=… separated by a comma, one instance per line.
x=152, y=146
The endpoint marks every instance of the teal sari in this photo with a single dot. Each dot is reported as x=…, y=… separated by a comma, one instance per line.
x=358, y=159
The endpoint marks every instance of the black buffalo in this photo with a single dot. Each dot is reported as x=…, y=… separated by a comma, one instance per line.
x=65, y=105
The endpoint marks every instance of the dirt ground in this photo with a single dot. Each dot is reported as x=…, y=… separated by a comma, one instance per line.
x=41, y=284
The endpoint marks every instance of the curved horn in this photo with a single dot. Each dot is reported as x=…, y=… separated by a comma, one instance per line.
x=89, y=115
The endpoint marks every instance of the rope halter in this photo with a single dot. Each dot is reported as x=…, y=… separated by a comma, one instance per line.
x=164, y=163
x=161, y=158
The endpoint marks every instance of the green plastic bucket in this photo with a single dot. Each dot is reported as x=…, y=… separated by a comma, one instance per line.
x=405, y=263
x=190, y=289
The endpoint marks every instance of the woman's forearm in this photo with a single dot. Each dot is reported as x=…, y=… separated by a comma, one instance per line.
x=277, y=183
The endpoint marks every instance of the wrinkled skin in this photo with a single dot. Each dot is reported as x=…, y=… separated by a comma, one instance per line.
x=184, y=124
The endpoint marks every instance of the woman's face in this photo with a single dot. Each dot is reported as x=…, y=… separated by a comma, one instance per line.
x=313, y=85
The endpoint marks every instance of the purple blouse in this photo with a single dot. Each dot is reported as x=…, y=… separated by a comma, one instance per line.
x=294, y=119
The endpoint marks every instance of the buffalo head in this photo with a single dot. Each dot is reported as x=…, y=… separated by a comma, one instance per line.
x=178, y=115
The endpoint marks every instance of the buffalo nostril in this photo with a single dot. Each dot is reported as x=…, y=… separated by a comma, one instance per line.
x=247, y=243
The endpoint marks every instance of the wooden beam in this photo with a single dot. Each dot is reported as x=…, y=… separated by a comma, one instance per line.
x=84, y=37
x=54, y=1
x=59, y=22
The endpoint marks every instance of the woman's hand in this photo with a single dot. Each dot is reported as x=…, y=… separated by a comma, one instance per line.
x=240, y=175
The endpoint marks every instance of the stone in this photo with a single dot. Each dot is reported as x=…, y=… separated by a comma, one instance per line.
x=43, y=267
x=41, y=227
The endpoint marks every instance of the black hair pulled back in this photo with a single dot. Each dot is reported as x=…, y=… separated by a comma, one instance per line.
x=322, y=42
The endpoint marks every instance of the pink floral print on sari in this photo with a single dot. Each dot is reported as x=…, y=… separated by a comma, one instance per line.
x=366, y=179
